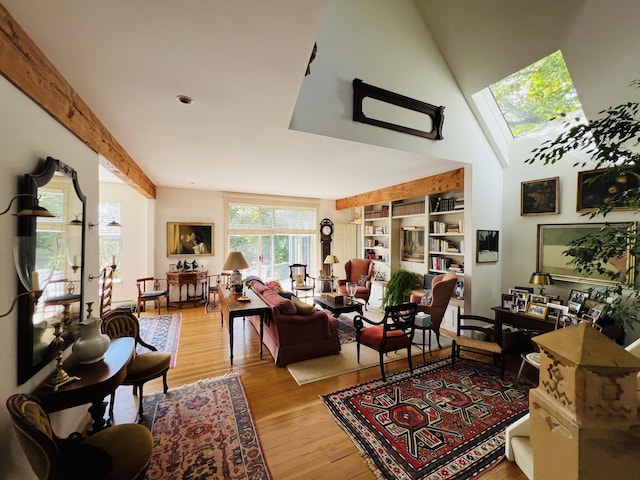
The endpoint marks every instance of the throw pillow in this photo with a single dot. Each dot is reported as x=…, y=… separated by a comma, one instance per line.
x=287, y=295
x=302, y=307
x=362, y=280
x=426, y=298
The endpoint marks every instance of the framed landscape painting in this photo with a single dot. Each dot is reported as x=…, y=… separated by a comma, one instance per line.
x=540, y=197
x=189, y=239
x=553, y=241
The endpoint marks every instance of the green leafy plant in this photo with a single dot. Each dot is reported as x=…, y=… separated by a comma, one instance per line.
x=611, y=140
x=399, y=287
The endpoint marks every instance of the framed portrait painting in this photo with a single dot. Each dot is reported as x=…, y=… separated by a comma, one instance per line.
x=189, y=238
x=540, y=197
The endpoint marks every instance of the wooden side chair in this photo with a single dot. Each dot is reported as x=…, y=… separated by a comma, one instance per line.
x=461, y=342
x=149, y=291
x=128, y=446
x=393, y=332
x=301, y=281
x=107, y=291
x=144, y=366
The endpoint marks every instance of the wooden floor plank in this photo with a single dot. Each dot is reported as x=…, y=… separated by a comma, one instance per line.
x=299, y=437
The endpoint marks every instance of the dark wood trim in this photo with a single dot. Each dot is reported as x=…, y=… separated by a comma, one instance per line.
x=363, y=90
x=26, y=67
x=443, y=182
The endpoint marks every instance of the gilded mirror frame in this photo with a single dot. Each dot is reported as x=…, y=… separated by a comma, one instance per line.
x=28, y=363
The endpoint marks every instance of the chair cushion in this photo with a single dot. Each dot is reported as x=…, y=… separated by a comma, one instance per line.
x=153, y=294
x=147, y=365
x=129, y=445
x=372, y=337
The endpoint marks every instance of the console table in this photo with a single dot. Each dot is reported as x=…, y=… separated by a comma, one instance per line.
x=97, y=380
x=519, y=320
x=186, y=279
x=232, y=308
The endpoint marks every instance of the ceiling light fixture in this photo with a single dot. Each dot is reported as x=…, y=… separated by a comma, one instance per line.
x=184, y=99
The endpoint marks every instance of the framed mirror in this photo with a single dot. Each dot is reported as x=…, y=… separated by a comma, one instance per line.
x=59, y=250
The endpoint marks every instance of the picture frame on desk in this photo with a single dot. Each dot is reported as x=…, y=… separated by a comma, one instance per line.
x=537, y=310
x=554, y=311
x=508, y=301
x=594, y=310
x=521, y=297
x=565, y=319
x=533, y=298
x=576, y=299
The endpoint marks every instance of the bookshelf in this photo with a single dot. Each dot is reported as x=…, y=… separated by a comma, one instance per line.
x=446, y=250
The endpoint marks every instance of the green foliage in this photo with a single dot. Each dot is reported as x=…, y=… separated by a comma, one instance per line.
x=609, y=140
x=399, y=287
x=536, y=95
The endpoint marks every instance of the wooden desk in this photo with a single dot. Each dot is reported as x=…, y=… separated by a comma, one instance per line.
x=519, y=320
x=97, y=380
x=182, y=279
x=232, y=308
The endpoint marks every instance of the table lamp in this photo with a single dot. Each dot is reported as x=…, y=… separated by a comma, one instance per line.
x=236, y=262
x=330, y=260
x=542, y=279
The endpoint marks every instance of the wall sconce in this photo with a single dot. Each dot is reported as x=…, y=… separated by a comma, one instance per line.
x=34, y=211
x=112, y=223
x=113, y=267
x=34, y=280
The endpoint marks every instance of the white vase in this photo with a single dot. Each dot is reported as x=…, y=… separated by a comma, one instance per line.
x=92, y=344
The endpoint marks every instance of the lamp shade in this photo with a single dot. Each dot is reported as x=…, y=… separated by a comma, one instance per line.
x=235, y=261
x=331, y=259
x=540, y=278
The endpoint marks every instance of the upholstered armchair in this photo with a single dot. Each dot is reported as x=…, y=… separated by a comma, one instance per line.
x=442, y=288
x=357, y=270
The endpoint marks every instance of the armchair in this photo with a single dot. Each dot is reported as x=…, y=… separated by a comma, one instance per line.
x=358, y=270
x=301, y=281
x=149, y=291
x=442, y=288
x=393, y=332
x=127, y=447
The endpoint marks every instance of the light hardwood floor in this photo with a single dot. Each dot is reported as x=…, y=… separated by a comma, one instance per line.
x=299, y=438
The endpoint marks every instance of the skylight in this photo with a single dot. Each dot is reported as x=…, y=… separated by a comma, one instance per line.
x=537, y=97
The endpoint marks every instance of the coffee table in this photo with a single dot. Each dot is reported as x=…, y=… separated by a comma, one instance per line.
x=338, y=308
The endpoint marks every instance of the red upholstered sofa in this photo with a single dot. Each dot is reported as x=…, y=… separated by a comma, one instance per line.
x=291, y=336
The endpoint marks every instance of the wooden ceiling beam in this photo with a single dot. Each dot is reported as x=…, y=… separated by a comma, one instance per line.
x=443, y=182
x=26, y=67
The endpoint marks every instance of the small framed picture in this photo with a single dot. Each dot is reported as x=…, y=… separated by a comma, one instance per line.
x=554, y=311
x=528, y=289
x=540, y=197
x=538, y=298
x=576, y=299
x=521, y=304
x=537, y=310
x=487, y=246
x=508, y=301
x=594, y=310
x=565, y=319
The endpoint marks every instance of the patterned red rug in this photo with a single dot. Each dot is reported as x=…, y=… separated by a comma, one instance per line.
x=437, y=423
x=204, y=430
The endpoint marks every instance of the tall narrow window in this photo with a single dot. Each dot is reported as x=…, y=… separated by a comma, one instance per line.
x=537, y=96
x=272, y=237
x=110, y=238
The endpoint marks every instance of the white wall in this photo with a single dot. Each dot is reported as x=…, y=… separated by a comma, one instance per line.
x=28, y=135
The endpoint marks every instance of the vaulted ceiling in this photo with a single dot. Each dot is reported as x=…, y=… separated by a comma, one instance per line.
x=243, y=63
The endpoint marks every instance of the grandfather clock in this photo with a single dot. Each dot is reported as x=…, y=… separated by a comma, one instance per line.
x=326, y=235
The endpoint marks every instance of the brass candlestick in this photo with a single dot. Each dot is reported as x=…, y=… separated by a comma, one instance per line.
x=60, y=377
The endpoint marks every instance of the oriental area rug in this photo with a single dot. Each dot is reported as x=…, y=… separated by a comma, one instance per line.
x=204, y=430
x=437, y=423
x=163, y=332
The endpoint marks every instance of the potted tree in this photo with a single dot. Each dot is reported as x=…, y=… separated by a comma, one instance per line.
x=399, y=287
x=611, y=140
